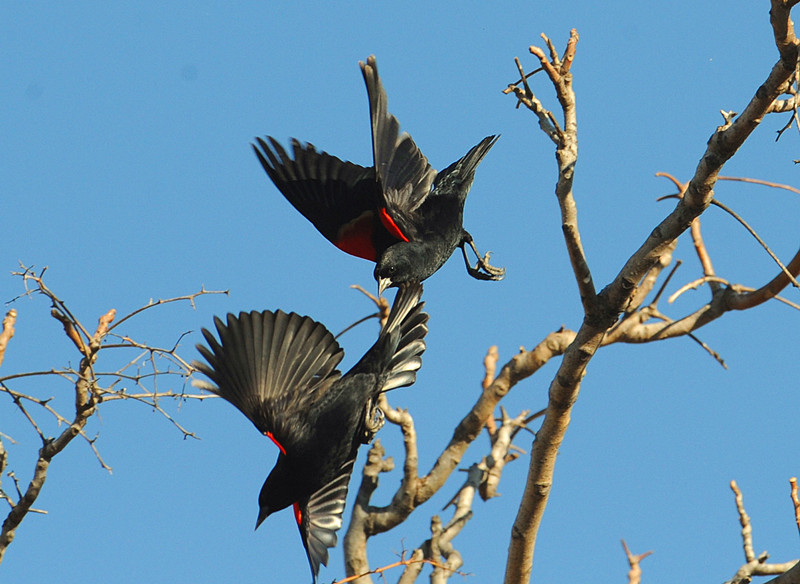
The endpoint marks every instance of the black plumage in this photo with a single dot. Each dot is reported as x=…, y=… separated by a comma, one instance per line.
x=399, y=213
x=280, y=370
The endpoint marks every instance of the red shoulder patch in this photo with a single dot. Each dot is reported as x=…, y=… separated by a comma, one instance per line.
x=275, y=440
x=298, y=514
x=355, y=237
x=390, y=225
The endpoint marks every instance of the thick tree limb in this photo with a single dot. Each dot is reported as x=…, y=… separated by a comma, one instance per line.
x=367, y=520
x=601, y=315
x=791, y=576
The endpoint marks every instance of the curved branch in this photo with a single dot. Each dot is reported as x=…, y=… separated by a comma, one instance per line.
x=615, y=298
x=367, y=520
x=745, y=300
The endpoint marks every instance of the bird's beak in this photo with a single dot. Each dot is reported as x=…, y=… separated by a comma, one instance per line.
x=263, y=513
x=383, y=284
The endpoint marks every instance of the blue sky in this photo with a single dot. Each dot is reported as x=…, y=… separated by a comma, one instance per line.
x=126, y=168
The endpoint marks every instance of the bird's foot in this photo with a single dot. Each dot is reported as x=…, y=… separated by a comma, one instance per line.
x=483, y=270
x=374, y=419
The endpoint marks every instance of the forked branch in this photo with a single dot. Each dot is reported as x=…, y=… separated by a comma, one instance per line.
x=602, y=314
x=90, y=387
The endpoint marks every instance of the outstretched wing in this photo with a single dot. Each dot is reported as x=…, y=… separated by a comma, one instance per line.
x=403, y=172
x=271, y=366
x=321, y=518
x=340, y=198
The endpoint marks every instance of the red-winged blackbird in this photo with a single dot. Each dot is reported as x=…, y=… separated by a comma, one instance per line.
x=280, y=371
x=398, y=213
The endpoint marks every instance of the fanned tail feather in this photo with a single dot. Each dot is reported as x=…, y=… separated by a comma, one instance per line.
x=462, y=171
x=410, y=321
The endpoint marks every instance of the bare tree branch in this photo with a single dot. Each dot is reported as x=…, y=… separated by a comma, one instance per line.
x=756, y=181
x=495, y=462
x=438, y=549
x=415, y=561
x=635, y=573
x=602, y=314
x=490, y=368
x=791, y=576
x=795, y=502
x=367, y=520
x=414, y=490
x=754, y=565
x=380, y=302
x=87, y=387
x=752, y=232
x=7, y=332
x=747, y=299
x=744, y=521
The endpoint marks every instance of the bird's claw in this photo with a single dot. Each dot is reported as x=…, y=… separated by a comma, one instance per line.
x=483, y=270
x=374, y=419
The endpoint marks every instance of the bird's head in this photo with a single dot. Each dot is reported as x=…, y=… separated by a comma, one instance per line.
x=396, y=266
x=277, y=493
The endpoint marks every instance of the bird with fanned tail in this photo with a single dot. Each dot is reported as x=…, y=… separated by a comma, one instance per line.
x=280, y=371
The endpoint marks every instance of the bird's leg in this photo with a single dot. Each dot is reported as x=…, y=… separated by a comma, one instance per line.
x=374, y=419
x=482, y=270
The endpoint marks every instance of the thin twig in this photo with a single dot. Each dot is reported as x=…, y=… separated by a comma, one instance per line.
x=523, y=79
x=744, y=520
x=757, y=238
x=189, y=297
x=717, y=357
x=401, y=562
x=795, y=501
x=7, y=332
x=663, y=287
x=757, y=181
x=635, y=573
x=380, y=302
x=693, y=285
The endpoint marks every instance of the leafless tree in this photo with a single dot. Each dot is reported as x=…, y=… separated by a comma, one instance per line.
x=625, y=310
x=92, y=386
